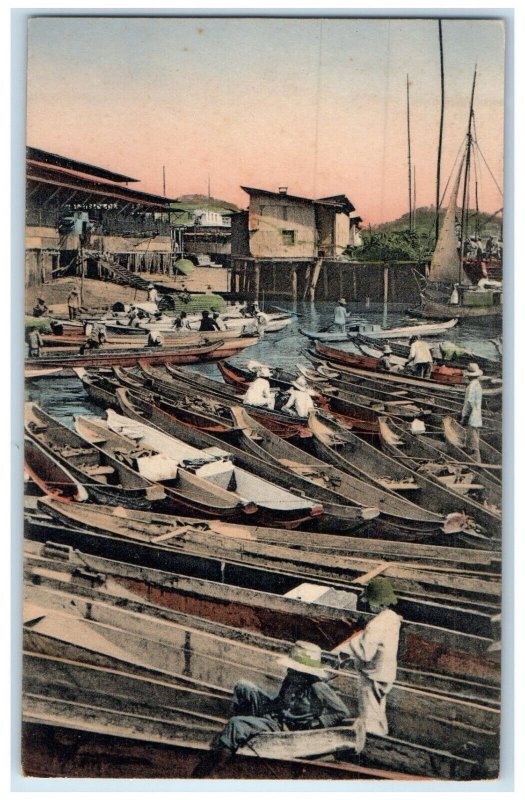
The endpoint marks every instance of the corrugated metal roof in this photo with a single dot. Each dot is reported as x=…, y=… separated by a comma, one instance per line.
x=326, y=202
x=45, y=157
x=61, y=178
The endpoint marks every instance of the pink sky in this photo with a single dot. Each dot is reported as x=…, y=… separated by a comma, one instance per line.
x=317, y=106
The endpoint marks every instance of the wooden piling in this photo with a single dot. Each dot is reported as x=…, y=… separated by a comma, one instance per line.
x=385, y=284
x=257, y=280
x=294, y=283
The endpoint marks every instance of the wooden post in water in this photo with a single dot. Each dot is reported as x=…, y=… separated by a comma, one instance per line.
x=314, y=277
x=385, y=284
x=325, y=282
x=257, y=280
x=294, y=283
x=354, y=283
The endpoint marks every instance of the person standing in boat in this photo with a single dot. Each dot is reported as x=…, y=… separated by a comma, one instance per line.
x=304, y=702
x=340, y=316
x=259, y=393
x=300, y=400
x=420, y=357
x=374, y=653
x=471, y=412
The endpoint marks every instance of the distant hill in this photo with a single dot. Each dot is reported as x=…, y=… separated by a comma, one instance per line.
x=489, y=224
x=193, y=201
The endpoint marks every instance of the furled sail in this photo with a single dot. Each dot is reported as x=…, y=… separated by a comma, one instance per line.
x=445, y=263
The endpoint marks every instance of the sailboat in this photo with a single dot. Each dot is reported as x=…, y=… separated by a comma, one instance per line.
x=451, y=288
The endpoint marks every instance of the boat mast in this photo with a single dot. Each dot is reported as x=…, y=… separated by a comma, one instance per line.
x=410, y=218
x=441, y=118
x=467, y=177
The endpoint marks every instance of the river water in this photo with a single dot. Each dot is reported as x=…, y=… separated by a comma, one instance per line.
x=65, y=398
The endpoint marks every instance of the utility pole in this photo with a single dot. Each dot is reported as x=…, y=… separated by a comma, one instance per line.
x=410, y=221
x=441, y=118
x=164, y=181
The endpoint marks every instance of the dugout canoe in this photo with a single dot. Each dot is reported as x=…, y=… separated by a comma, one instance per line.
x=203, y=480
x=199, y=409
x=454, y=662
x=399, y=444
x=305, y=468
x=339, y=357
x=123, y=720
x=456, y=438
x=151, y=645
x=171, y=383
x=343, y=449
x=334, y=516
x=469, y=561
x=50, y=475
x=105, y=479
x=182, y=354
x=376, y=332
x=166, y=534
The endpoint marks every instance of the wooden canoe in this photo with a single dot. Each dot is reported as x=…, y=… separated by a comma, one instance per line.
x=336, y=549
x=348, y=360
x=453, y=662
x=105, y=479
x=206, y=410
x=305, y=468
x=171, y=384
x=479, y=592
x=182, y=354
x=50, y=475
x=201, y=476
x=399, y=444
x=343, y=518
x=456, y=436
x=158, y=649
x=351, y=454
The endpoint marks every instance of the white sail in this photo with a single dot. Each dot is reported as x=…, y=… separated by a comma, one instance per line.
x=445, y=263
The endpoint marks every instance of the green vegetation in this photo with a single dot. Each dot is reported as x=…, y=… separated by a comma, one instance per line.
x=188, y=203
x=41, y=324
x=393, y=241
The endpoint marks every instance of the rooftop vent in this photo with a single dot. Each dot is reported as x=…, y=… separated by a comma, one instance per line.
x=283, y=189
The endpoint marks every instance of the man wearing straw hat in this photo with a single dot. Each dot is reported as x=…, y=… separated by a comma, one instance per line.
x=73, y=303
x=259, y=393
x=374, y=653
x=340, y=316
x=300, y=400
x=471, y=413
x=304, y=702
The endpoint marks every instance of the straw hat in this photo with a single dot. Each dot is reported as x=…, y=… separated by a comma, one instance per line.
x=473, y=371
x=379, y=592
x=300, y=383
x=342, y=302
x=305, y=657
x=264, y=372
x=150, y=286
x=74, y=290
x=387, y=350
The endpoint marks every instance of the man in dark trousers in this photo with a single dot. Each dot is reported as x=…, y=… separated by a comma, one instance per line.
x=207, y=322
x=305, y=701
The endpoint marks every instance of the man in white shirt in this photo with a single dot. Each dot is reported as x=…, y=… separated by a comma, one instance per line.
x=420, y=357
x=374, y=653
x=300, y=400
x=259, y=393
x=340, y=316
x=471, y=412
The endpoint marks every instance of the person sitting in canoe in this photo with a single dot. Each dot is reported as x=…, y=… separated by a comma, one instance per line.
x=207, y=322
x=420, y=358
x=155, y=339
x=385, y=362
x=40, y=309
x=300, y=401
x=304, y=702
x=374, y=653
x=259, y=393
